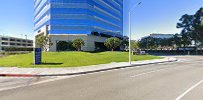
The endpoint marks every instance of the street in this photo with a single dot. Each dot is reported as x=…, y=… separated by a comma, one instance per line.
x=182, y=80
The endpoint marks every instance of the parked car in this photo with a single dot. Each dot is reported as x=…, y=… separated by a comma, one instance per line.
x=138, y=52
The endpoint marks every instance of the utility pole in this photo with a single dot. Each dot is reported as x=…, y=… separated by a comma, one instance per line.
x=129, y=15
x=26, y=41
x=147, y=46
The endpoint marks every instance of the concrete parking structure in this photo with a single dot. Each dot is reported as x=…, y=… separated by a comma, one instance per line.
x=8, y=42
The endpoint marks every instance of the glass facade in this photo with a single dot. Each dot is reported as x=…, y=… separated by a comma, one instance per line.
x=79, y=16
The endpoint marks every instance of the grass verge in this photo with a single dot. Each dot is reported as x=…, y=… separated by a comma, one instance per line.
x=70, y=59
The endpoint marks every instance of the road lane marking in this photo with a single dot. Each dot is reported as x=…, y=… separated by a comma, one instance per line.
x=190, y=89
x=149, y=72
x=36, y=83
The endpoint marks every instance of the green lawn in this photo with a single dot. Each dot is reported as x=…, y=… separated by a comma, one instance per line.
x=70, y=59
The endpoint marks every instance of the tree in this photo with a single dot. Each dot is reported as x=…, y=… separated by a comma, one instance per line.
x=112, y=43
x=185, y=40
x=150, y=42
x=177, y=39
x=197, y=26
x=78, y=43
x=144, y=43
x=44, y=42
x=186, y=23
x=199, y=32
x=134, y=45
x=125, y=42
x=192, y=28
x=155, y=43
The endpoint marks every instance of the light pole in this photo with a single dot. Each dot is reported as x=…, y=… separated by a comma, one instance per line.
x=26, y=41
x=129, y=15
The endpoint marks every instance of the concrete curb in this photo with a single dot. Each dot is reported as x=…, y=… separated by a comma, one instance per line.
x=83, y=73
x=18, y=75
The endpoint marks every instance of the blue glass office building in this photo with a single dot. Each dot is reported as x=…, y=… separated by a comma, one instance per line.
x=65, y=20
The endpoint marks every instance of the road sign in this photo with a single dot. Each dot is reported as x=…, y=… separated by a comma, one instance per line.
x=38, y=56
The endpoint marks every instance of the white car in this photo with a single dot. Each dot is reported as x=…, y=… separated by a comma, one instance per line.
x=142, y=52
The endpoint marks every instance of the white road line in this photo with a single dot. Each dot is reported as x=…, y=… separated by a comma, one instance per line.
x=36, y=83
x=149, y=72
x=187, y=91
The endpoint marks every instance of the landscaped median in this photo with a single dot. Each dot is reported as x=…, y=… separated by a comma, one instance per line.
x=70, y=59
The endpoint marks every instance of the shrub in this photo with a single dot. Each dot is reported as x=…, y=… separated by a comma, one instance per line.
x=18, y=49
x=65, y=46
x=112, y=43
x=78, y=43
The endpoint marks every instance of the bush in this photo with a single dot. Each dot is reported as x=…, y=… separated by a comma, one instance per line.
x=78, y=43
x=65, y=46
x=8, y=49
x=13, y=53
x=112, y=43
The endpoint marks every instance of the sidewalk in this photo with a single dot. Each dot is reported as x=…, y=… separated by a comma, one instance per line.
x=33, y=72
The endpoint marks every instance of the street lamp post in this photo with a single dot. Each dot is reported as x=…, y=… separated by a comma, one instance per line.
x=26, y=41
x=129, y=15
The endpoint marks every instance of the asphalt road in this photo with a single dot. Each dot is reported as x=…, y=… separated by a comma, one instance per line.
x=182, y=80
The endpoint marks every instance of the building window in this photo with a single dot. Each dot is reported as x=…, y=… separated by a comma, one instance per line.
x=18, y=40
x=18, y=44
x=4, y=43
x=6, y=39
x=12, y=40
x=39, y=31
x=12, y=43
x=29, y=44
x=29, y=41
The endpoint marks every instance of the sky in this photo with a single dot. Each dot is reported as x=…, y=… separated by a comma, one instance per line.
x=152, y=16
x=16, y=18
x=157, y=16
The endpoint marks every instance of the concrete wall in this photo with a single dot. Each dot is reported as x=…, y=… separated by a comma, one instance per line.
x=89, y=40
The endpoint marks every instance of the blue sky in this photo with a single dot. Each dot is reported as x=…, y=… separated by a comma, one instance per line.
x=153, y=16
x=158, y=16
x=16, y=17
